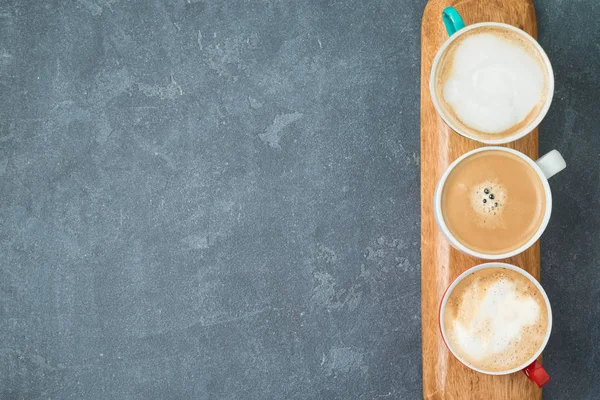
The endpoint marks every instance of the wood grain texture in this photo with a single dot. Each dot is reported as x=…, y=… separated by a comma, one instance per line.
x=444, y=377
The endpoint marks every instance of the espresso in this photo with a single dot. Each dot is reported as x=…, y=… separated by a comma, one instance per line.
x=491, y=82
x=495, y=319
x=493, y=202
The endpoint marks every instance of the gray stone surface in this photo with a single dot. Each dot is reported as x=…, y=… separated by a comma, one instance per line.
x=220, y=200
x=569, y=32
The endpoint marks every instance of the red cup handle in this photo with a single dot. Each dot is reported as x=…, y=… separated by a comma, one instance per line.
x=537, y=373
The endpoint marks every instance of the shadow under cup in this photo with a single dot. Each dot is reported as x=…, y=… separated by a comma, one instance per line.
x=531, y=367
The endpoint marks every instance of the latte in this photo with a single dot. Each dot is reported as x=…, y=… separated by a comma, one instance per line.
x=493, y=202
x=495, y=319
x=492, y=82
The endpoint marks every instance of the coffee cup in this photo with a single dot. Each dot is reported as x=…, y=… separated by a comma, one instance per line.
x=490, y=81
x=494, y=202
x=496, y=319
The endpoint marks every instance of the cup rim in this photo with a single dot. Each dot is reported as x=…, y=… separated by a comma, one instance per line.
x=446, y=231
x=526, y=129
x=478, y=268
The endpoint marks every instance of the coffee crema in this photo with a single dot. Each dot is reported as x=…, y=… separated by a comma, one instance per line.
x=493, y=202
x=495, y=319
x=491, y=82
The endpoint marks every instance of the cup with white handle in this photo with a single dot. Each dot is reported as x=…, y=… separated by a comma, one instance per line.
x=495, y=202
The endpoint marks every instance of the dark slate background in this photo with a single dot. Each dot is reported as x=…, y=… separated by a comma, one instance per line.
x=220, y=200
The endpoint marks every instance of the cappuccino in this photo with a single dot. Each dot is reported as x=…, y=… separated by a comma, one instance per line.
x=495, y=319
x=492, y=82
x=493, y=202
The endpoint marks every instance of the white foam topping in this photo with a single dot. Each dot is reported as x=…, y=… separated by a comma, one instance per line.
x=494, y=83
x=496, y=321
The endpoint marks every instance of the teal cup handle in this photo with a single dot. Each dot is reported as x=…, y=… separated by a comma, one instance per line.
x=452, y=20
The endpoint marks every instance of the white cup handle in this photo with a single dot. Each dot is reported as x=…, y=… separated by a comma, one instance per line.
x=551, y=163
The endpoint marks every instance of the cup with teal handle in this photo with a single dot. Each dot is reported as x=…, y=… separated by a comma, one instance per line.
x=490, y=81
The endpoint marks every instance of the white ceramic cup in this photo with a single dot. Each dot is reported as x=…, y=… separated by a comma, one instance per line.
x=546, y=166
x=526, y=129
x=531, y=367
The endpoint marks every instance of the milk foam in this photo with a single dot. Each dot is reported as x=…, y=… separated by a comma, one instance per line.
x=497, y=320
x=488, y=200
x=494, y=83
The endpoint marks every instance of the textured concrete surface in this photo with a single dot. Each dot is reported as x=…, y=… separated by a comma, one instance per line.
x=220, y=200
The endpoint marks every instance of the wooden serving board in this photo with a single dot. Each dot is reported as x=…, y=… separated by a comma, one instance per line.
x=444, y=377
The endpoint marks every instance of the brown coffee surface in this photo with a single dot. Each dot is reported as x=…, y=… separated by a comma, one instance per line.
x=495, y=319
x=445, y=68
x=493, y=202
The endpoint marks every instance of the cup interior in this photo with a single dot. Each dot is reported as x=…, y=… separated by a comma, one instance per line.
x=439, y=217
x=495, y=265
x=521, y=132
